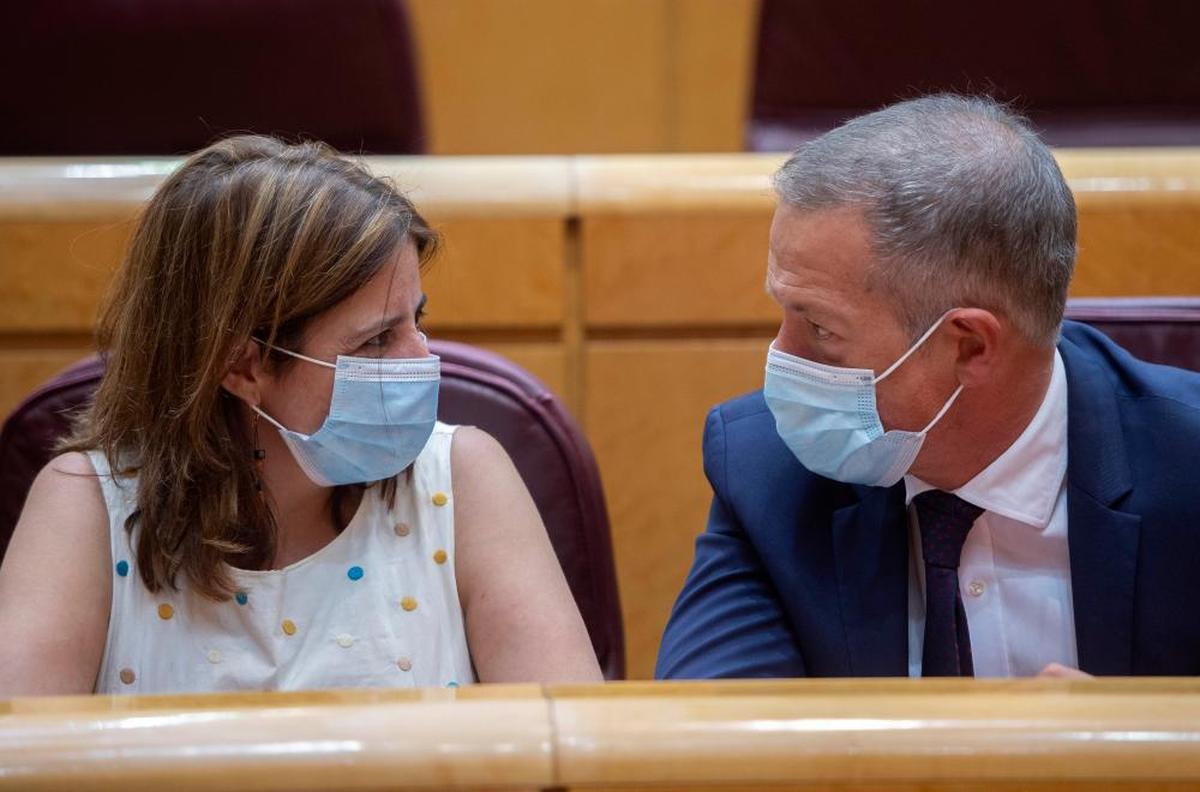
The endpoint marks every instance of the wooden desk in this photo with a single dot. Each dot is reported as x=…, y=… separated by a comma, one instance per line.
x=812, y=734
x=632, y=285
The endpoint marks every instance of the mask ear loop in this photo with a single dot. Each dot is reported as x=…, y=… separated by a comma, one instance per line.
x=945, y=409
x=295, y=354
x=912, y=349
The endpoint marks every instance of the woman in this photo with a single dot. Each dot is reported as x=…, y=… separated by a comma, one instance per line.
x=260, y=497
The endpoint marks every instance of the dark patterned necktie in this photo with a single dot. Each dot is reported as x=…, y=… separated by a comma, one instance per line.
x=945, y=520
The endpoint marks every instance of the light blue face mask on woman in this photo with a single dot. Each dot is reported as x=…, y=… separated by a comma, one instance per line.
x=380, y=418
x=827, y=416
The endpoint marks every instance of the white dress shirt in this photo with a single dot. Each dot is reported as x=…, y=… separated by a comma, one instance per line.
x=1015, y=572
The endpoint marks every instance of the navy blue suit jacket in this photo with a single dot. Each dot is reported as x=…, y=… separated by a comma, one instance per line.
x=798, y=575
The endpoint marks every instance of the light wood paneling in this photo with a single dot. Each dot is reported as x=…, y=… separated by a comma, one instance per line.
x=599, y=76
x=645, y=409
x=671, y=242
x=896, y=735
x=680, y=269
x=542, y=76
x=54, y=273
x=1141, y=248
x=23, y=370
x=419, y=739
x=498, y=273
x=899, y=735
x=545, y=360
x=713, y=44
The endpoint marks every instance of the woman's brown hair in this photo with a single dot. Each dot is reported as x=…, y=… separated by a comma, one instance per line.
x=249, y=237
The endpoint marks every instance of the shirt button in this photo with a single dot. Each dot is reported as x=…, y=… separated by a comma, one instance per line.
x=165, y=611
x=289, y=627
x=402, y=529
x=409, y=604
x=127, y=676
x=345, y=640
x=439, y=557
x=440, y=499
x=976, y=588
x=404, y=664
x=214, y=656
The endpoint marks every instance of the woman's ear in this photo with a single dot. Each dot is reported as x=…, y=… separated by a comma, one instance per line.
x=245, y=374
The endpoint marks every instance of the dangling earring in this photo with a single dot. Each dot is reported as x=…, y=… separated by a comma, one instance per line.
x=259, y=455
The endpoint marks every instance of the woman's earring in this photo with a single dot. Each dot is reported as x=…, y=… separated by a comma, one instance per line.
x=259, y=455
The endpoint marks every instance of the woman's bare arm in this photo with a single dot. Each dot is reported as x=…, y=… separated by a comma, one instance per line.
x=522, y=622
x=55, y=585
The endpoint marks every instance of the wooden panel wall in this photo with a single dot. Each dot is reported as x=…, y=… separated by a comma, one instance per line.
x=631, y=285
x=920, y=735
x=602, y=76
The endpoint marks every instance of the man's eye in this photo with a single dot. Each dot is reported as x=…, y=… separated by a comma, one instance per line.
x=820, y=332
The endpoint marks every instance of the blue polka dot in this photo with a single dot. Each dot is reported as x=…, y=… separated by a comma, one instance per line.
x=355, y=573
x=451, y=684
x=241, y=597
x=122, y=568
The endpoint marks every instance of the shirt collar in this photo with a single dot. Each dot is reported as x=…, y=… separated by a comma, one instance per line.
x=1023, y=483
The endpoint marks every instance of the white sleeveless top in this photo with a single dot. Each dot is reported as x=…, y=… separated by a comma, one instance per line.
x=378, y=606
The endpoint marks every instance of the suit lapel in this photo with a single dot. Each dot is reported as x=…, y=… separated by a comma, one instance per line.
x=870, y=544
x=1103, y=540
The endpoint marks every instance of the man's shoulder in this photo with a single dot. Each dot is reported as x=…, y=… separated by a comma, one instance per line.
x=1134, y=380
x=749, y=406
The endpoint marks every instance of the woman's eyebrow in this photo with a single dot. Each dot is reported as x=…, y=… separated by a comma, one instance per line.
x=388, y=321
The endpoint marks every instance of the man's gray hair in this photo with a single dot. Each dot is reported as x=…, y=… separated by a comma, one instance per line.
x=966, y=206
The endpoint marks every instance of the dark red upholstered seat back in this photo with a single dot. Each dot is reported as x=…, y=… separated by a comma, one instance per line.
x=1088, y=72
x=145, y=77
x=479, y=388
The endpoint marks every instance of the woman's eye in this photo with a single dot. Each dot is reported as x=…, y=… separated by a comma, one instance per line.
x=820, y=332
x=380, y=340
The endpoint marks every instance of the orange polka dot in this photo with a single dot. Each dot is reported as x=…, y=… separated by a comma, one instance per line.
x=165, y=611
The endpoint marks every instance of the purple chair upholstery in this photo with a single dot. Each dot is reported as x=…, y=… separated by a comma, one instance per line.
x=478, y=388
x=1087, y=72
x=103, y=77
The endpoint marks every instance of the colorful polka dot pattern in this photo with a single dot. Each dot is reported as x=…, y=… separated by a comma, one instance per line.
x=345, y=640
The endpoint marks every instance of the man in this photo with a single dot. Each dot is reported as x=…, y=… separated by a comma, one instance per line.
x=940, y=477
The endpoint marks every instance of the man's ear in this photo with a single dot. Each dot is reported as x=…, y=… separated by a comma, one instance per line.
x=245, y=374
x=979, y=334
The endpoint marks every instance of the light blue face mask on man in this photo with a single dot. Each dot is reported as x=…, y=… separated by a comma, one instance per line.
x=827, y=416
x=380, y=418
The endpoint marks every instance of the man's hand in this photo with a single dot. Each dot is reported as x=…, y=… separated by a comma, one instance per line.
x=1060, y=671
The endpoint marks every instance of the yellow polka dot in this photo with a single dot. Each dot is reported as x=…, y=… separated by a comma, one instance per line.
x=127, y=676
x=408, y=603
x=439, y=557
x=440, y=499
x=289, y=627
x=165, y=611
